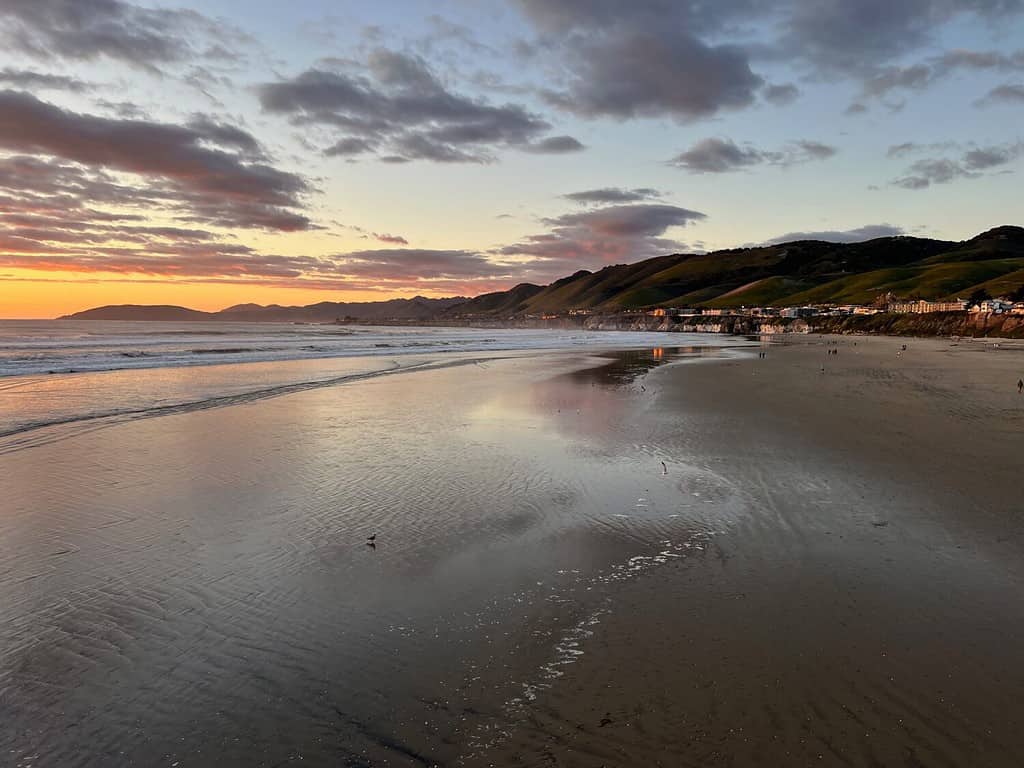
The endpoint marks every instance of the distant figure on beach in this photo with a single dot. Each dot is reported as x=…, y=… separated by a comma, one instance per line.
x=664, y=469
x=1020, y=386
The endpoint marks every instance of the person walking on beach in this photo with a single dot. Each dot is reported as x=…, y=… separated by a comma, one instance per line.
x=1020, y=386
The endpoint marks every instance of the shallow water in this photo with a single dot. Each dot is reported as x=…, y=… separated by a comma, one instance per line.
x=195, y=588
x=45, y=347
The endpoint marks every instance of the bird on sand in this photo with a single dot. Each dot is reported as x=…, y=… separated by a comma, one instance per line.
x=371, y=539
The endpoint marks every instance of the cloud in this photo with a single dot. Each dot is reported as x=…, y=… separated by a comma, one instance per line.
x=887, y=79
x=555, y=145
x=1010, y=93
x=971, y=163
x=350, y=146
x=606, y=195
x=853, y=37
x=898, y=150
x=650, y=76
x=916, y=77
x=411, y=264
x=781, y=95
x=868, y=232
x=717, y=155
x=641, y=59
x=598, y=237
x=90, y=29
x=402, y=107
x=43, y=231
x=215, y=171
x=966, y=59
x=628, y=220
x=27, y=79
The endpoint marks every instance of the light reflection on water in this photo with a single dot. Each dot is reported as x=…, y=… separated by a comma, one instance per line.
x=197, y=587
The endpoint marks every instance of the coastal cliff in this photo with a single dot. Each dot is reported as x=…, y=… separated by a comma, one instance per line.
x=977, y=324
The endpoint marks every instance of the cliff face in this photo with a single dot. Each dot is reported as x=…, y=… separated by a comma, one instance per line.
x=934, y=324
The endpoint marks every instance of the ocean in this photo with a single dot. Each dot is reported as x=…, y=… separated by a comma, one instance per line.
x=58, y=377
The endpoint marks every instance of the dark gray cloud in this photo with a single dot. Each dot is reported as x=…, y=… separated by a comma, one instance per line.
x=350, y=146
x=90, y=29
x=654, y=75
x=1010, y=93
x=643, y=58
x=972, y=162
x=555, y=145
x=856, y=36
x=887, y=79
x=880, y=83
x=606, y=195
x=898, y=150
x=781, y=95
x=645, y=220
x=598, y=237
x=24, y=79
x=966, y=59
x=868, y=232
x=211, y=169
x=717, y=155
x=401, y=106
x=406, y=264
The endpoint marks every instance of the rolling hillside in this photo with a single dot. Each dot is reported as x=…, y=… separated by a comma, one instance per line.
x=787, y=274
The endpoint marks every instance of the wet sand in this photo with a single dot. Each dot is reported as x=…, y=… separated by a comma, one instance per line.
x=829, y=573
x=864, y=608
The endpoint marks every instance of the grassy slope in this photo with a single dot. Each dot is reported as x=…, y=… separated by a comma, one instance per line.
x=792, y=273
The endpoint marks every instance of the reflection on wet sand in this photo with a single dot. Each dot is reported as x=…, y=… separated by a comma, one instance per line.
x=196, y=587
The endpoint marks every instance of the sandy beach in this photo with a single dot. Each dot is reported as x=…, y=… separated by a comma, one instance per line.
x=647, y=558
x=863, y=609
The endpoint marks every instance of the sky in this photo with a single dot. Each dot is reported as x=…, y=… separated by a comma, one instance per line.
x=214, y=153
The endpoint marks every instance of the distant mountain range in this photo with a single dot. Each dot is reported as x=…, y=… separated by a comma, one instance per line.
x=418, y=308
x=787, y=274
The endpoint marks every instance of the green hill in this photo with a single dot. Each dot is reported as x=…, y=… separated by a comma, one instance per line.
x=786, y=274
